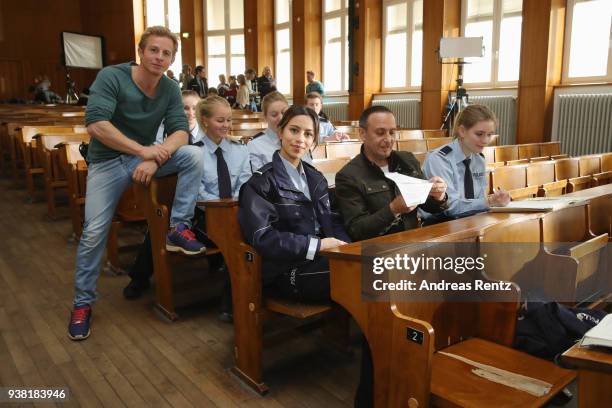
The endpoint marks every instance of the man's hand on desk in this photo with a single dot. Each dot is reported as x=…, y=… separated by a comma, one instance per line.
x=327, y=243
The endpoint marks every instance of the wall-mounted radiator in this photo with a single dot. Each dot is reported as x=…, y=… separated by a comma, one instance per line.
x=336, y=111
x=584, y=123
x=407, y=111
x=504, y=107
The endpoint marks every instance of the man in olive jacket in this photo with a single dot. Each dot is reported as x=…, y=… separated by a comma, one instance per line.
x=369, y=202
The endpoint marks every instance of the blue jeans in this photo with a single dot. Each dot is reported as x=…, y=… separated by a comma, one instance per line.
x=106, y=182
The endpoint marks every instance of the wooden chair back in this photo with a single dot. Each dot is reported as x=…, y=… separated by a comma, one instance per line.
x=550, y=148
x=510, y=177
x=528, y=150
x=489, y=154
x=539, y=173
x=600, y=215
x=566, y=168
x=319, y=152
x=505, y=153
x=352, y=131
x=250, y=125
x=414, y=146
x=330, y=165
x=434, y=133
x=342, y=149
x=420, y=156
x=556, y=225
x=409, y=134
x=434, y=143
x=606, y=162
x=589, y=165
x=538, y=159
x=519, y=161
x=28, y=132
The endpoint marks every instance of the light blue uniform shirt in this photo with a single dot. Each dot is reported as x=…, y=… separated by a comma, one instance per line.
x=160, y=136
x=325, y=129
x=300, y=182
x=449, y=165
x=262, y=148
x=237, y=158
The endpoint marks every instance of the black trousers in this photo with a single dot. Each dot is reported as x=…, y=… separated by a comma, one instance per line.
x=304, y=281
x=364, y=397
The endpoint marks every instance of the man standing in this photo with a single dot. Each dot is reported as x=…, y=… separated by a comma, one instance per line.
x=199, y=83
x=127, y=104
x=313, y=85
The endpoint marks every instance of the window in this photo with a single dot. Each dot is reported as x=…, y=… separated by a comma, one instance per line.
x=224, y=38
x=335, y=46
x=282, y=45
x=588, y=38
x=402, y=44
x=166, y=13
x=499, y=22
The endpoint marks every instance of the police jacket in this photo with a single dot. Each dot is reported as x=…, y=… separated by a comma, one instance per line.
x=364, y=195
x=279, y=220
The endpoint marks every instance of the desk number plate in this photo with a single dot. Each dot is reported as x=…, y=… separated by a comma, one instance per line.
x=414, y=335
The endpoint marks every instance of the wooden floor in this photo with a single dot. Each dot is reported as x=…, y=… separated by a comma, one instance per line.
x=134, y=358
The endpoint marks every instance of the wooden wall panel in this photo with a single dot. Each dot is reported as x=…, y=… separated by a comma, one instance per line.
x=441, y=18
x=306, y=44
x=368, y=56
x=540, y=69
x=259, y=34
x=192, y=47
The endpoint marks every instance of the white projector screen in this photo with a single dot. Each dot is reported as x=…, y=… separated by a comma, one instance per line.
x=461, y=47
x=82, y=51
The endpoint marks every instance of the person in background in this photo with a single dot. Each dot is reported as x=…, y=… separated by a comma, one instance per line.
x=265, y=83
x=185, y=77
x=170, y=75
x=314, y=85
x=213, y=91
x=265, y=143
x=254, y=96
x=223, y=86
x=462, y=165
x=285, y=213
x=327, y=131
x=232, y=91
x=242, y=97
x=199, y=83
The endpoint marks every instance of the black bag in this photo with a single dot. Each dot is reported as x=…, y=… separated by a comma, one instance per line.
x=83, y=147
x=548, y=329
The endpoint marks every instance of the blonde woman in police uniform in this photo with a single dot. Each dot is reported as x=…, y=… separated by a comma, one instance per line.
x=461, y=164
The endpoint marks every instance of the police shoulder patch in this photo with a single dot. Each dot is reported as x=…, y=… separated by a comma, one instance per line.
x=445, y=150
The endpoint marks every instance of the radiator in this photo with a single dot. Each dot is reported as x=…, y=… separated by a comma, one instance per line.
x=407, y=111
x=504, y=107
x=336, y=111
x=584, y=123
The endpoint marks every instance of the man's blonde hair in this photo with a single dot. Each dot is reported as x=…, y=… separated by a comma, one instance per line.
x=158, y=31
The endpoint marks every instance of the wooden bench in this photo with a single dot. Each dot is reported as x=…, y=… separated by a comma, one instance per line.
x=581, y=250
x=250, y=306
x=529, y=150
x=434, y=143
x=589, y=165
x=434, y=133
x=342, y=149
x=514, y=180
x=156, y=201
x=506, y=153
x=49, y=156
x=606, y=162
x=410, y=134
x=319, y=152
x=542, y=175
x=330, y=165
x=413, y=146
x=550, y=148
x=416, y=374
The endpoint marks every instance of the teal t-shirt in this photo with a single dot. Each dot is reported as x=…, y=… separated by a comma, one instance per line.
x=114, y=97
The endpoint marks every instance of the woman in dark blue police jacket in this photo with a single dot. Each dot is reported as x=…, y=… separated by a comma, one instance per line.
x=285, y=214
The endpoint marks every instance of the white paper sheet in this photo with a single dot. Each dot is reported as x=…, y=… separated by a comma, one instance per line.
x=415, y=191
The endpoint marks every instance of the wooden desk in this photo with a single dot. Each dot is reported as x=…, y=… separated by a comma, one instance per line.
x=594, y=375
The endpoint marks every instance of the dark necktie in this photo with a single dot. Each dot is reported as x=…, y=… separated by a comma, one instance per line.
x=468, y=182
x=225, y=184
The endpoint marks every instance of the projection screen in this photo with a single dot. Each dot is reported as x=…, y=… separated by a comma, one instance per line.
x=82, y=51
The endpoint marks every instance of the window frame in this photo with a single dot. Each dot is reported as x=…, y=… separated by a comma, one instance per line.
x=497, y=20
x=342, y=12
x=567, y=40
x=283, y=26
x=227, y=33
x=409, y=30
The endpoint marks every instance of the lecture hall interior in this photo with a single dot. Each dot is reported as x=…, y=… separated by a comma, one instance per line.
x=306, y=203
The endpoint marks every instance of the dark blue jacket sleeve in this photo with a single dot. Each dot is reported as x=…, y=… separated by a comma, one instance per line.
x=256, y=216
